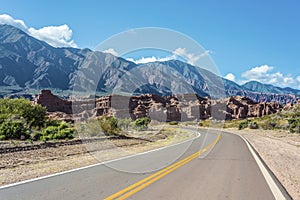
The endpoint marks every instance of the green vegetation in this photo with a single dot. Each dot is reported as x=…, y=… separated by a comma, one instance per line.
x=243, y=124
x=173, y=123
x=294, y=125
x=19, y=119
x=141, y=124
x=14, y=130
x=59, y=131
x=288, y=120
x=253, y=125
x=109, y=125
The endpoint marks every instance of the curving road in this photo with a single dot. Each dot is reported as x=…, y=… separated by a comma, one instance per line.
x=211, y=166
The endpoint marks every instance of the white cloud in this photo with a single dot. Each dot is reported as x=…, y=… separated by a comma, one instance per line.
x=179, y=52
x=190, y=57
x=258, y=73
x=111, y=51
x=151, y=59
x=265, y=74
x=6, y=19
x=230, y=77
x=57, y=36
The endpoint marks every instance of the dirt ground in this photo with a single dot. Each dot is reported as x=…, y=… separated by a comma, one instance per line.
x=31, y=162
x=281, y=152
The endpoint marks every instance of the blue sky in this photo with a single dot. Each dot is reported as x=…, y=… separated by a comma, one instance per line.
x=253, y=40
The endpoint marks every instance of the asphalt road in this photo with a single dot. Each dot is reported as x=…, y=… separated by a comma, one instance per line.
x=225, y=171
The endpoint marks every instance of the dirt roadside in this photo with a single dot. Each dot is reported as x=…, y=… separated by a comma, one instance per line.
x=24, y=161
x=281, y=152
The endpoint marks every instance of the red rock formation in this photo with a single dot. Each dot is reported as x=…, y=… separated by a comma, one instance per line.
x=169, y=108
x=53, y=103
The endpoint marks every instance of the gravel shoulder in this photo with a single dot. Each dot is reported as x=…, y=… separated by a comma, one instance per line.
x=281, y=152
x=28, y=163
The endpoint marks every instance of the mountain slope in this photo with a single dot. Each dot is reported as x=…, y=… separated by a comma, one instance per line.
x=27, y=63
x=267, y=88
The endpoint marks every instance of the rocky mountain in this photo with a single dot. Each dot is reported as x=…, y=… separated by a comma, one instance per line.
x=29, y=65
x=267, y=88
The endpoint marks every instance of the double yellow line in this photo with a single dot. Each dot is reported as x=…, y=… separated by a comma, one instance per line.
x=134, y=188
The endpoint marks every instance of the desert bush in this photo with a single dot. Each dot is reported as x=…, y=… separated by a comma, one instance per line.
x=253, y=125
x=109, y=125
x=243, y=124
x=66, y=133
x=124, y=124
x=36, y=135
x=269, y=124
x=14, y=129
x=34, y=115
x=48, y=133
x=294, y=124
x=91, y=128
x=19, y=119
x=141, y=124
x=61, y=131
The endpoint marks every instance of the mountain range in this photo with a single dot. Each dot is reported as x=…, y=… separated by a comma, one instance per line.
x=28, y=65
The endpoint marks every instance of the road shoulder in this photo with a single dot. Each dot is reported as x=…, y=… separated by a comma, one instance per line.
x=281, y=155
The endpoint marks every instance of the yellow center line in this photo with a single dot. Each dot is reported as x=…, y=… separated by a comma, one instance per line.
x=134, y=188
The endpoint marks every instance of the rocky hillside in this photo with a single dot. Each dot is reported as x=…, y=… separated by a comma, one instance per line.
x=28, y=65
x=186, y=107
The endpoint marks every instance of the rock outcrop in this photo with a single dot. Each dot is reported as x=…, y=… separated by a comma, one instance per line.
x=53, y=103
x=187, y=107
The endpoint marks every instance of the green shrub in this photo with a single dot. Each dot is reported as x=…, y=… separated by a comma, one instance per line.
x=144, y=121
x=64, y=134
x=294, y=125
x=268, y=124
x=36, y=135
x=34, y=115
x=2, y=137
x=141, y=124
x=19, y=119
x=49, y=132
x=253, y=125
x=109, y=125
x=59, y=132
x=173, y=123
x=243, y=124
x=14, y=130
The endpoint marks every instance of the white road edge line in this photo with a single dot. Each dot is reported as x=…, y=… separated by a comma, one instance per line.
x=94, y=165
x=272, y=185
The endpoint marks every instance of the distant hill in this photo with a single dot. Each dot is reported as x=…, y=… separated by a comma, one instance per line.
x=28, y=65
x=266, y=88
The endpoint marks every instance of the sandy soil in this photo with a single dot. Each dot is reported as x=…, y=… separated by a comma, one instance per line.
x=23, y=165
x=281, y=152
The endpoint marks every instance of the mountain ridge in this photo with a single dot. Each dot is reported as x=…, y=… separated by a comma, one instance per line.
x=27, y=63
